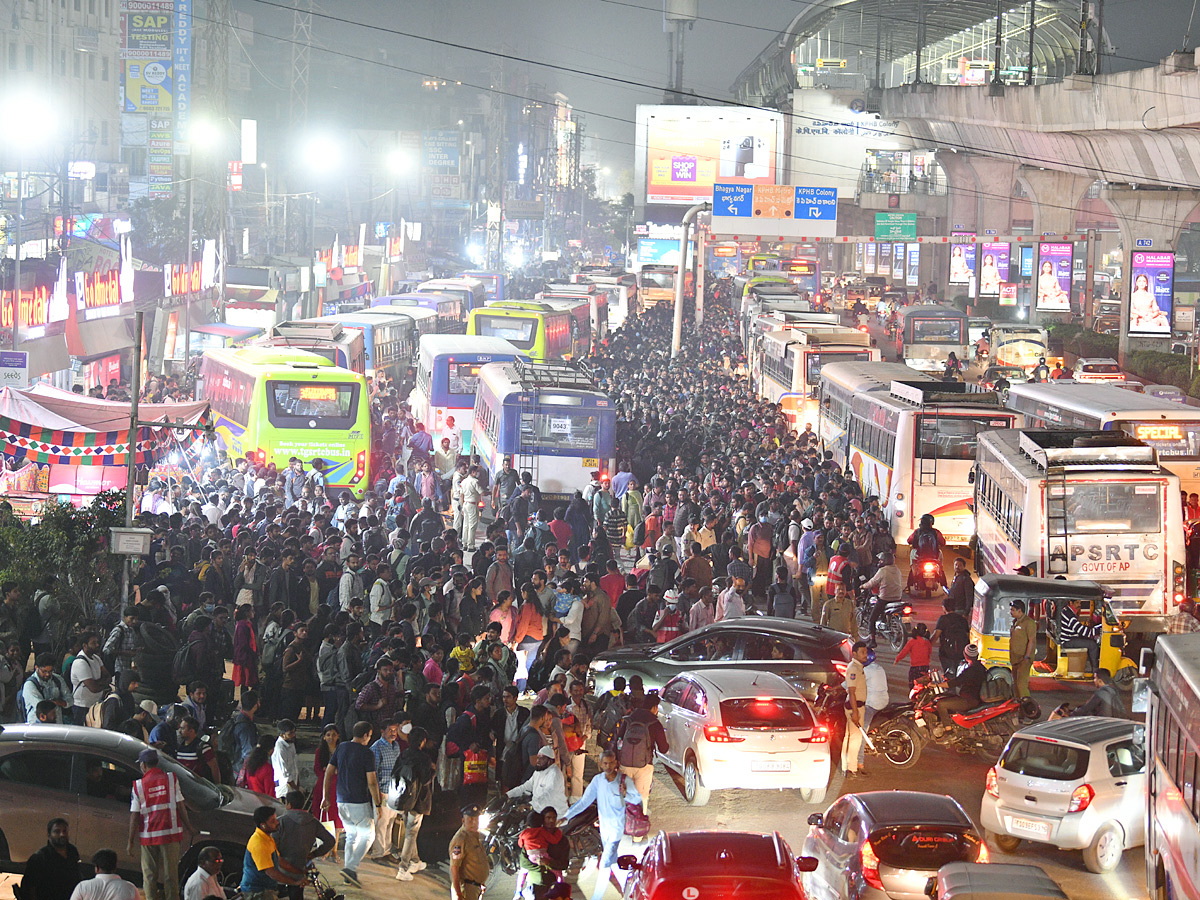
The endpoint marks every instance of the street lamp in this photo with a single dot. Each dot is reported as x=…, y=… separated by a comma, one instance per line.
x=30, y=123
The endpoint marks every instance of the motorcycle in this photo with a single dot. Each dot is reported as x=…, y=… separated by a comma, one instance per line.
x=925, y=574
x=895, y=621
x=504, y=819
x=890, y=735
x=983, y=730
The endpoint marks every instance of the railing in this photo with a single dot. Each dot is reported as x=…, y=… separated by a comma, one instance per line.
x=894, y=183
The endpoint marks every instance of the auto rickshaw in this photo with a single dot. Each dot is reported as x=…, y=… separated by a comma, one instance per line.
x=1045, y=599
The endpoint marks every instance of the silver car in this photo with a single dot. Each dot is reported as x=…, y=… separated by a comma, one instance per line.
x=1074, y=783
x=887, y=844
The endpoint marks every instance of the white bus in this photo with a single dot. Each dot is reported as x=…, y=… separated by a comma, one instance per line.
x=1019, y=345
x=1171, y=428
x=910, y=441
x=929, y=334
x=448, y=376
x=1083, y=504
x=1172, y=758
x=787, y=367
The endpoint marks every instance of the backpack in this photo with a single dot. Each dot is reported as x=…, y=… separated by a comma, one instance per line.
x=95, y=713
x=542, y=535
x=927, y=543
x=227, y=741
x=635, y=749
x=512, y=766
x=780, y=538
x=610, y=717
x=401, y=795
x=639, y=533
x=183, y=665
x=538, y=673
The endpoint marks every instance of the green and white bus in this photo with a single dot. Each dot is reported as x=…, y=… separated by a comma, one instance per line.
x=272, y=403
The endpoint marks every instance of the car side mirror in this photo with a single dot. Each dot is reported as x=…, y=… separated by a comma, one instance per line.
x=806, y=863
x=628, y=863
x=817, y=820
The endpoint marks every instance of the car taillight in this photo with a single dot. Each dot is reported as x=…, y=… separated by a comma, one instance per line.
x=870, y=866
x=718, y=734
x=984, y=855
x=841, y=667
x=1081, y=798
x=820, y=735
x=992, y=784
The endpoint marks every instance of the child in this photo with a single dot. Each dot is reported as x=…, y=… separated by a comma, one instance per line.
x=463, y=654
x=545, y=852
x=433, y=666
x=918, y=649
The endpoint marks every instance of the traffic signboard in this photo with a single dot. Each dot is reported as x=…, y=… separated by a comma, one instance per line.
x=891, y=226
x=815, y=204
x=733, y=200
x=773, y=201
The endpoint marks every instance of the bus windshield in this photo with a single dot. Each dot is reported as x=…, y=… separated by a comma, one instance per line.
x=815, y=359
x=1104, y=508
x=462, y=378
x=658, y=279
x=519, y=331
x=937, y=331
x=955, y=437
x=297, y=404
x=560, y=430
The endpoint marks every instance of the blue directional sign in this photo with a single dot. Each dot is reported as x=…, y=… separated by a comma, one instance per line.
x=733, y=200
x=815, y=204
x=1144, y=242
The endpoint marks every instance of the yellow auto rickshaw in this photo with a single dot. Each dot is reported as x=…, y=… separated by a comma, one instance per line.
x=1046, y=600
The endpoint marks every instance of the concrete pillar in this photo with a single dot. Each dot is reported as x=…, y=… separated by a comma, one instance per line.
x=962, y=211
x=995, y=178
x=1055, y=196
x=1153, y=215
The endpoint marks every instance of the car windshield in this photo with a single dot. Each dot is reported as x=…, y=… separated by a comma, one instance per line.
x=724, y=887
x=1044, y=759
x=924, y=847
x=1102, y=369
x=768, y=713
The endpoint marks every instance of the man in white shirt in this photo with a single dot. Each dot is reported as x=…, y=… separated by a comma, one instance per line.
x=381, y=599
x=732, y=601
x=206, y=880
x=283, y=759
x=546, y=784
x=453, y=433
x=89, y=677
x=107, y=885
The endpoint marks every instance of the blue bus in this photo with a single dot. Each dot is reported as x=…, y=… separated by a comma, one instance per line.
x=451, y=319
x=448, y=368
x=549, y=419
x=493, y=283
x=389, y=338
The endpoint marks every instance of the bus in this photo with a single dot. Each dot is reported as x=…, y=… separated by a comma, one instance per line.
x=447, y=377
x=343, y=347
x=929, y=334
x=389, y=339
x=623, y=298
x=1171, y=428
x=656, y=284
x=449, y=308
x=760, y=324
x=804, y=273
x=1019, y=345
x=549, y=419
x=1172, y=757
x=580, y=298
x=1083, y=504
x=909, y=439
x=272, y=403
x=493, y=283
x=787, y=367
x=539, y=330
x=763, y=262
x=470, y=291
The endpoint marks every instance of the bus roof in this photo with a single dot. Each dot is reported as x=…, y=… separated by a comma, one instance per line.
x=441, y=344
x=536, y=306
x=819, y=335
x=381, y=315
x=437, y=284
x=1032, y=452
x=933, y=312
x=275, y=360
x=864, y=376
x=1183, y=650
x=310, y=329
x=1099, y=401
x=504, y=378
x=774, y=289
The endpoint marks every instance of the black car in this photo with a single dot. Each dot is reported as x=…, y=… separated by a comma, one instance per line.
x=804, y=655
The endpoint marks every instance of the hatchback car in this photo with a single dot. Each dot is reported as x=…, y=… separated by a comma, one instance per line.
x=87, y=774
x=715, y=865
x=1011, y=374
x=806, y=656
x=1099, y=368
x=887, y=844
x=742, y=729
x=1074, y=783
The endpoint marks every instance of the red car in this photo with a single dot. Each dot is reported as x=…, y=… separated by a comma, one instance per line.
x=716, y=865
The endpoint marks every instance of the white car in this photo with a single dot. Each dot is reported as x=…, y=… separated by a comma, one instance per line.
x=1075, y=784
x=742, y=729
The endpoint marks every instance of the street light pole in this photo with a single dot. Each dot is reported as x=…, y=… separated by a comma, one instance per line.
x=187, y=297
x=17, y=255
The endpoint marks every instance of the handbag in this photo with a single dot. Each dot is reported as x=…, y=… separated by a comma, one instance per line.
x=637, y=823
x=475, y=764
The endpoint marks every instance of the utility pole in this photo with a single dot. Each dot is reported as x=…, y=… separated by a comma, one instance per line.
x=1032, y=31
x=220, y=22
x=301, y=50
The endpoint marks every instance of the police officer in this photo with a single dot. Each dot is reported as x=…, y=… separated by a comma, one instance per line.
x=469, y=867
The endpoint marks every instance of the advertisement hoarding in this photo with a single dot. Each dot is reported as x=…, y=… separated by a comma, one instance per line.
x=897, y=262
x=682, y=151
x=858, y=257
x=885, y=259
x=962, y=260
x=1151, y=294
x=869, y=263
x=913, y=276
x=660, y=252
x=1008, y=294
x=1052, y=283
x=993, y=268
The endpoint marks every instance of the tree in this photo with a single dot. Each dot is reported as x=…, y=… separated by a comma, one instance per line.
x=66, y=555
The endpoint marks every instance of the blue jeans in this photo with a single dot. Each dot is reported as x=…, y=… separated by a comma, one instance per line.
x=337, y=701
x=359, y=821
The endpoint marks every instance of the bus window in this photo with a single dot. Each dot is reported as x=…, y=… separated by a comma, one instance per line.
x=937, y=331
x=296, y=404
x=954, y=437
x=462, y=377
x=560, y=430
x=1101, y=508
x=520, y=332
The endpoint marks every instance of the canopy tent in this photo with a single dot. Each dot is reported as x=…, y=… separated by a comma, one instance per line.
x=49, y=426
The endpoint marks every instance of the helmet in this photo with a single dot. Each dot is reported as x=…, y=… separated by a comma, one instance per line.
x=927, y=520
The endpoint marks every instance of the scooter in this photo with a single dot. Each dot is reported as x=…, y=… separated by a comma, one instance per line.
x=925, y=574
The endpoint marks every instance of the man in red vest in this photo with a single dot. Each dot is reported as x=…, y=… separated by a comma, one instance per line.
x=158, y=816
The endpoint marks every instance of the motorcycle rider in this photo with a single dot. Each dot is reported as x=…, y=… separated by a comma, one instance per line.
x=927, y=543
x=546, y=784
x=888, y=587
x=1041, y=371
x=967, y=683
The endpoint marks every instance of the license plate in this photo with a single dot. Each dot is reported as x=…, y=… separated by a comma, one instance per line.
x=1029, y=826
x=770, y=765
x=590, y=463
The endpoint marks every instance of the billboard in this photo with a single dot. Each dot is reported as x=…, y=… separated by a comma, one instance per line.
x=1151, y=294
x=912, y=277
x=897, y=262
x=660, y=252
x=962, y=260
x=1052, y=283
x=993, y=268
x=682, y=151
x=869, y=264
x=884, y=262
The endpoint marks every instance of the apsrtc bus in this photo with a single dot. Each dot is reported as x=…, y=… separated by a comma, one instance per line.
x=471, y=291
x=929, y=334
x=787, y=367
x=451, y=319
